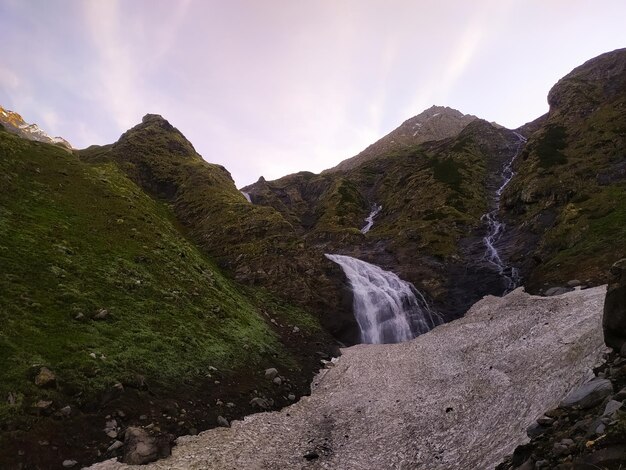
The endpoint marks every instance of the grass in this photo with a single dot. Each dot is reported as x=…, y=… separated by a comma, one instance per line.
x=78, y=237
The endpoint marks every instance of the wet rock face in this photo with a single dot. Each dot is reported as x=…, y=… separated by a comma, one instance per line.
x=614, y=318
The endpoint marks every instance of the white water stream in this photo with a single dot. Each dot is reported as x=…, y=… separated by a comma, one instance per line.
x=370, y=218
x=495, y=227
x=387, y=309
x=247, y=196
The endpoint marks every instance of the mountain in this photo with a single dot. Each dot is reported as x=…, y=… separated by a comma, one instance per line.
x=567, y=203
x=110, y=309
x=435, y=123
x=14, y=123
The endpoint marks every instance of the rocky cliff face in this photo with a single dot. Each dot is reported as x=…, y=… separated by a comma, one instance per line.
x=435, y=123
x=568, y=199
x=14, y=123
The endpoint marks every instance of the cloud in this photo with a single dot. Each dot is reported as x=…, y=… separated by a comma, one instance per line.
x=8, y=79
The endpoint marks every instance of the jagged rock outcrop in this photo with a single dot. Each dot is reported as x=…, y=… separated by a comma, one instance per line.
x=457, y=397
x=435, y=123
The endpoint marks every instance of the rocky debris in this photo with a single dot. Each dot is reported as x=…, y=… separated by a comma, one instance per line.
x=101, y=314
x=271, y=373
x=43, y=407
x=223, y=422
x=277, y=381
x=261, y=403
x=116, y=445
x=614, y=318
x=66, y=411
x=142, y=447
x=69, y=463
x=557, y=291
x=588, y=394
x=45, y=378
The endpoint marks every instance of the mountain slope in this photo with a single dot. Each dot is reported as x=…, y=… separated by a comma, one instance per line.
x=568, y=200
x=435, y=123
x=101, y=286
x=429, y=230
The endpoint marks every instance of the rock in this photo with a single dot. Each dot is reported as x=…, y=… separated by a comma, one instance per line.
x=291, y=397
x=79, y=316
x=528, y=465
x=612, y=407
x=535, y=430
x=271, y=373
x=295, y=330
x=311, y=455
x=545, y=421
x=223, y=422
x=112, y=434
x=142, y=448
x=102, y=314
x=261, y=403
x=116, y=445
x=45, y=378
x=277, y=380
x=552, y=291
x=43, y=406
x=573, y=283
x=66, y=411
x=614, y=317
x=541, y=464
x=588, y=394
x=69, y=463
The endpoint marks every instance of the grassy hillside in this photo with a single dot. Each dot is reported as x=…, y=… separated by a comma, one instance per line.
x=77, y=238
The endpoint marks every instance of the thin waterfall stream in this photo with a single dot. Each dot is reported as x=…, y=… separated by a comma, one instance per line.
x=495, y=227
x=387, y=309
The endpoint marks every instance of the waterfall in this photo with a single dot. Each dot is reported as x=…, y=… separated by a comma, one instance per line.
x=370, y=218
x=247, y=196
x=495, y=227
x=387, y=309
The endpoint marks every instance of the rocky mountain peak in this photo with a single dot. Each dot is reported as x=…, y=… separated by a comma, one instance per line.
x=434, y=123
x=14, y=123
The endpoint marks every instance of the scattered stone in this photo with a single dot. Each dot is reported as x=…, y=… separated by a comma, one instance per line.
x=311, y=455
x=535, y=430
x=291, y=397
x=611, y=408
x=102, y=314
x=261, y=403
x=45, y=378
x=143, y=418
x=92, y=355
x=66, y=411
x=43, y=406
x=116, y=445
x=541, y=464
x=545, y=421
x=230, y=404
x=614, y=317
x=112, y=434
x=588, y=394
x=223, y=422
x=212, y=369
x=79, y=316
x=295, y=330
x=552, y=291
x=277, y=381
x=573, y=283
x=141, y=448
x=69, y=463
x=271, y=373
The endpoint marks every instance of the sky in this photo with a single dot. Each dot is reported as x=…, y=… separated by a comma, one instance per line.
x=271, y=87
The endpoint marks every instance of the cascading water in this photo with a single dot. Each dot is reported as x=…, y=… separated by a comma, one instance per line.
x=495, y=227
x=247, y=196
x=370, y=218
x=387, y=309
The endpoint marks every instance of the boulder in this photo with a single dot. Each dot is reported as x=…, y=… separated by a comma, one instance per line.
x=614, y=318
x=271, y=373
x=588, y=394
x=142, y=448
x=45, y=378
x=552, y=291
